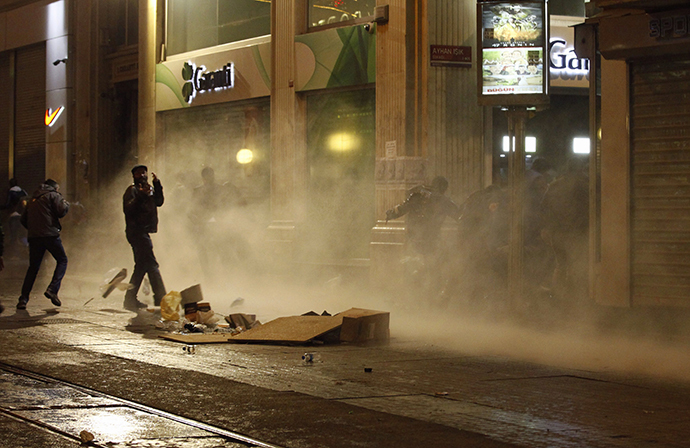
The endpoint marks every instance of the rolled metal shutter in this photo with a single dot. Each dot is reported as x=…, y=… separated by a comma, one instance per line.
x=660, y=128
x=30, y=106
x=5, y=111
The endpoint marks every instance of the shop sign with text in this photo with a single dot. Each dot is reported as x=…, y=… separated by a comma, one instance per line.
x=200, y=80
x=566, y=69
x=450, y=56
x=213, y=77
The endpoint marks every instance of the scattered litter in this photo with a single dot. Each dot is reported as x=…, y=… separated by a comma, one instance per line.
x=368, y=369
x=205, y=314
x=190, y=327
x=241, y=322
x=237, y=302
x=192, y=294
x=169, y=325
x=441, y=394
x=170, y=305
x=88, y=301
x=112, y=280
x=310, y=358
x=189, y=349
x=86, y=436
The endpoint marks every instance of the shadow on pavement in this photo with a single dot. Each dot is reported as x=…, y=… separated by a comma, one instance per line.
x=24, y=319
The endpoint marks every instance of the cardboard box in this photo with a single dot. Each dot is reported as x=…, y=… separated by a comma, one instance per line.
x=360, y=325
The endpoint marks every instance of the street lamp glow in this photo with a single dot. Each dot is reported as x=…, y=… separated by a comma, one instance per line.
x=244, y=156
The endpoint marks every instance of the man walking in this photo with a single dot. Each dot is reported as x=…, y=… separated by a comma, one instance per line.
x=42, y=220
x=140, y=204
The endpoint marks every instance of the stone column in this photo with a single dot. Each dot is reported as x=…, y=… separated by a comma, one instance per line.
x=400, y=139
x=146, y=138
x=288, y=132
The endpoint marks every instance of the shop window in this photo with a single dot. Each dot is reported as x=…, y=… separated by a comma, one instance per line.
x=331, y=12
x=196, y=24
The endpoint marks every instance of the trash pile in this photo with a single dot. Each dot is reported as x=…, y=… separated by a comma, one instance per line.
x=355, y=325
x=186, y=312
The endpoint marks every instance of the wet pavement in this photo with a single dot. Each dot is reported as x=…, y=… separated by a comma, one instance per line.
x=415, y=392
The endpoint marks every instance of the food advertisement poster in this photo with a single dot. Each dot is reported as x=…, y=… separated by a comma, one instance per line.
x=512, y=45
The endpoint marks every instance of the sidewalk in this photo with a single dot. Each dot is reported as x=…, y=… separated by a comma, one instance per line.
x=443, y=381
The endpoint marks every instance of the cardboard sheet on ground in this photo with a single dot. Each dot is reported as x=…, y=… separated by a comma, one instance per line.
x=362, y=325
x=292, y=329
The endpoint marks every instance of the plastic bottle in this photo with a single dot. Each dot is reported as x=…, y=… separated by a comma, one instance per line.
x=189, y=349
x=310, y=358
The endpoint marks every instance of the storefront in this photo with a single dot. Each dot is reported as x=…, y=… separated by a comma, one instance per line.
x=642, y=250
x=214, y=110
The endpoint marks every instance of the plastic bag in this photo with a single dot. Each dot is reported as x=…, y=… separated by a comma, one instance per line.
x=207, y=317
x=170, y=306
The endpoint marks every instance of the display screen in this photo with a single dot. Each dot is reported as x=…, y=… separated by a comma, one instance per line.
x=512, y=41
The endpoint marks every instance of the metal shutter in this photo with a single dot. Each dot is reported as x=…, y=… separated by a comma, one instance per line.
x=30, y=106
x=660, y=128
x=5, y=114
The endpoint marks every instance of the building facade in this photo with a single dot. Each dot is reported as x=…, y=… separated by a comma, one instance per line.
x=321, y=114
x=640, y=129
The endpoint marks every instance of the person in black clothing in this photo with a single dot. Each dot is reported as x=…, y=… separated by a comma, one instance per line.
x=41, y=217
x=14, y=195
x=14, y=205
x=426, y=208
x=140, y=204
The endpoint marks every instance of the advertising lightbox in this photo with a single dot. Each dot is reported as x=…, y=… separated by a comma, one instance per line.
x=513, y=40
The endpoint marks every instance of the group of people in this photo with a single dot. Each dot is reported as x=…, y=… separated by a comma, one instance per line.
x=556, y=226
x=41, y=217
x=556, y=229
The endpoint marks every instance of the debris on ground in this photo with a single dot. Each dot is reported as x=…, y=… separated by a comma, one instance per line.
x=241, y=322
x=190, y=319
x=86, y=437
x=170, y=306
x=354, y=325
x=113, y=280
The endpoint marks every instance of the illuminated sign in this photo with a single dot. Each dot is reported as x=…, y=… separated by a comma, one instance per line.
x=198, y=79
x=564, y=63
x=52, y=115
x=513, y=50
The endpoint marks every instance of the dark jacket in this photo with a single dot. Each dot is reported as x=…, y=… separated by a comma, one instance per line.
x=426, y=212
x=43, y=212
x=141, y=212
x=14, y=195
x=2, y=241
